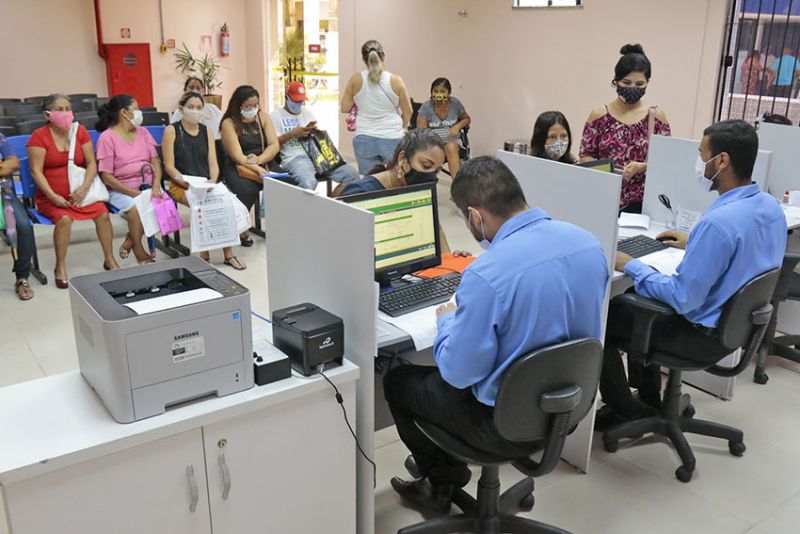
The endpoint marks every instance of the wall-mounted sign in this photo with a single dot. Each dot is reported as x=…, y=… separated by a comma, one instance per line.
x=170, y=43
x=125, y=33
x=205, y=43
x=129, y=60
x=314, y=48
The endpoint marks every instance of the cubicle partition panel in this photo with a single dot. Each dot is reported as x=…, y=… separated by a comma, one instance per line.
x=670, y=172
x=320, y=250
x=783, y=141
x=584, y=197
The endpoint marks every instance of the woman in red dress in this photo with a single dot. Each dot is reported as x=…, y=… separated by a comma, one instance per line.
x=47, y=152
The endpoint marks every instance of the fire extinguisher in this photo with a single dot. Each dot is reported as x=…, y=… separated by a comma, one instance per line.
x=224, y=41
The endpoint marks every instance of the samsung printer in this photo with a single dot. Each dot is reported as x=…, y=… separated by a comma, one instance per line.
x=162, y=334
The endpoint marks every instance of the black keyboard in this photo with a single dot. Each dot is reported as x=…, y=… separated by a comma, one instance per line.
x=639, y=245
x=418, y=295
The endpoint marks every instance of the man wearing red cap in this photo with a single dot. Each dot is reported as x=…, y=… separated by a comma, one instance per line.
x=292, y=122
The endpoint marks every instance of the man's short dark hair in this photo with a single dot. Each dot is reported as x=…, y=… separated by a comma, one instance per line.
x=486, y=182
x=739, y=140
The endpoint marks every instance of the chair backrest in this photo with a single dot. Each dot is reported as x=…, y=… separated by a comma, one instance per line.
x=790, y=261
x=155, y=118
x=87, y=113
x=82, y=96
x=7, y=130
x=27, y=127
x=28, y=117
x=518, y=415
x=88, y=122
x=735, y=326
x=8, y=121
x=157, y=131
x=35, y=100
x=94, y=135
x=18, y=109
x=19, y=142
x=80, y=105
x=414, y=114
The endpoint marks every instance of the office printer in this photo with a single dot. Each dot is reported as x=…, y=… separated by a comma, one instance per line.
x=157, y=335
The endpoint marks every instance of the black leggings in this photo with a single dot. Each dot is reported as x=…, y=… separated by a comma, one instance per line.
x=244, y=189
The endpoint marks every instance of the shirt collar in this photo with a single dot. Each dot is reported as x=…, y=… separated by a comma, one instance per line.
x=519, y=221
x=737, y=193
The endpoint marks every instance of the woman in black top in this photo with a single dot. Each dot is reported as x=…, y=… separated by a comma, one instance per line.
x=189, y=150
x=250, y=143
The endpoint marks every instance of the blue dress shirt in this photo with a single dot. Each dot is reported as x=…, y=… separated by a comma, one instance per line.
x=540, y=282
x=742, y=235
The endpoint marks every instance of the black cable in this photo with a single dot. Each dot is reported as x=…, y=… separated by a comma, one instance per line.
x=340, y=400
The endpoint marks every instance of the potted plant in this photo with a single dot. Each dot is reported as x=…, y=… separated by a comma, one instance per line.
x=206, y=68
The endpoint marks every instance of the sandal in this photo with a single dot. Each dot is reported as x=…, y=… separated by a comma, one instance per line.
x=124, y=252
x=234, y=262
x=23, y=289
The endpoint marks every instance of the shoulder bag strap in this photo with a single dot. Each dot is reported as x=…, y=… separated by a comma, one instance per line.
x=397, y=108
x=261, y=132
x=651, y=122
x=73, y=134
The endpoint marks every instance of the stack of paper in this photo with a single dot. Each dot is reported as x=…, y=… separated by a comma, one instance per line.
x=634, y=220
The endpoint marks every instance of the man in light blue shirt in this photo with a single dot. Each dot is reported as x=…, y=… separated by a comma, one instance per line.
x=785, y=68
x=539, y=283
x=742, y=235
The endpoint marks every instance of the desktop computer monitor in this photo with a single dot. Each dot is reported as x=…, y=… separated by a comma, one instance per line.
x=605, y=165
x=406, y=229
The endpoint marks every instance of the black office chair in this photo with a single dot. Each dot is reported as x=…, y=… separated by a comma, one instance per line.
x=155, y=118
x=147, y=109
x=82, y=96
x=542, y=397
x=8, y=121
x=742, y=325
x=35, y=100
x=18, y=109
x=82, y=105
x=91, y=113
x=788, y=288
x=8, y=131
x=28, y=127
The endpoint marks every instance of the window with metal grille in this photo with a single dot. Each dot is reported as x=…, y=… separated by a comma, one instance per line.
x=760, y=69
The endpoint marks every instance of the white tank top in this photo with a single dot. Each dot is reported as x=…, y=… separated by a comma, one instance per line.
x=378, y=109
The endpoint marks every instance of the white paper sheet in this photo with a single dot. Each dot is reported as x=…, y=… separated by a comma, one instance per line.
x=175, y=300
x=686, y=220
x=664, y=261
x=213, y=219
x=420, y=325
x=633, y=220
x=144, y=205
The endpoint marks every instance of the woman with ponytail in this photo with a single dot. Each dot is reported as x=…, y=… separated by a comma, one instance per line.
x=384, y=108
x=621, y=130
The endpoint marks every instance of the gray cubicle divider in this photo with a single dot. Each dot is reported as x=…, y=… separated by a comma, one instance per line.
x=670, y=171
x=587, y=198
x=784, y=142
x=320, y=250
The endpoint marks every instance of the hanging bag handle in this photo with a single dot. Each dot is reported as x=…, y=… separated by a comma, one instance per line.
x=73, y=134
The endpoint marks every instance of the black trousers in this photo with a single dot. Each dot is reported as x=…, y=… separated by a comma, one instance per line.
x=673, y=335
x=245, y=190
x=420, y=392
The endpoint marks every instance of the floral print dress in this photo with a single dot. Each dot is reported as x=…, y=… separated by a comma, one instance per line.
x=608, y=138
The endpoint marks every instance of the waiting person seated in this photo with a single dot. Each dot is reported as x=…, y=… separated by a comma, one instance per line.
x=552, y=138
x=212, y=115
x=509, y=303
x=250, y=143
x=124, y=147
x=9, y=163
x=742, y=235
x=445, y=115
x=47, y=153
x=188, y=149
x=292, y=122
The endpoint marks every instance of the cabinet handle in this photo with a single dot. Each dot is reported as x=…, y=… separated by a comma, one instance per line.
x=226, y=477
x=193, y=489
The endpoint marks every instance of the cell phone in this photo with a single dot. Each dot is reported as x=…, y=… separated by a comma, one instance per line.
x=311, y=124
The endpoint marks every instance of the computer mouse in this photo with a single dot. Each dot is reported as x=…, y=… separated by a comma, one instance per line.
x=664, y=238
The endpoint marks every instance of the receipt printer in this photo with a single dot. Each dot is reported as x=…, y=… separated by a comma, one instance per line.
x=162, y=334
x=309, y=335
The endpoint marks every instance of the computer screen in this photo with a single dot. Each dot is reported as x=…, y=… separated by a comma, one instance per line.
x=605, y=165
x=406, y=229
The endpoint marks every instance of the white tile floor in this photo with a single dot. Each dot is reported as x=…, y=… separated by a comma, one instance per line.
x=633, y=490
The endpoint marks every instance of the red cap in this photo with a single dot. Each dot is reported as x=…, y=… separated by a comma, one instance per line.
x=296, y=91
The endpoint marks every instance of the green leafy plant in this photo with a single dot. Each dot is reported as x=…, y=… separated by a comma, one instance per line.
x=206, y=68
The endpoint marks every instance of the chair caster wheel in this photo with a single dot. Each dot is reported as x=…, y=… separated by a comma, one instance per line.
x=611, y=445
x=760, y=377
x=736, y=448
x=526, y=503
x=689, y=412
x=683, y=474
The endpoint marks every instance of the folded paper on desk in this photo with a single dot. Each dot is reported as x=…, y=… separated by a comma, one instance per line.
x=664, y=261
x=167, y=302
x=420, y=325
x=633, y=220
x=791, y=211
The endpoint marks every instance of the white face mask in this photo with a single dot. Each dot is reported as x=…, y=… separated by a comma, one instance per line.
x=250, y=113
x=138, y=118
x=484, y=243
x=706, y=184
x=193, y=115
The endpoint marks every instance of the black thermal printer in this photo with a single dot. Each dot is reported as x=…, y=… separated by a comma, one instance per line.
x=309, y=335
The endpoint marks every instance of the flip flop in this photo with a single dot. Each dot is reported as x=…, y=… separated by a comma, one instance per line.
x=125, y=252
x=234, y=262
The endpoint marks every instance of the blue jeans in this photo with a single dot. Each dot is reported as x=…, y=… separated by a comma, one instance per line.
x=302, y=172
x=25, y=243
x=371, y=151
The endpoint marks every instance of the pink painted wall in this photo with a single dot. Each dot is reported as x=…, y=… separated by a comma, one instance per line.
x=508, y=65
x=61, y=50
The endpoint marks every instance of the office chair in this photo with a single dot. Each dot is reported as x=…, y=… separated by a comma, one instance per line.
x=155, y=118
x=18, y=109
x=82, y=96
x=82, y=105
x=787, y=288
x=542, y=397
x=742, y=325
x=28, y=127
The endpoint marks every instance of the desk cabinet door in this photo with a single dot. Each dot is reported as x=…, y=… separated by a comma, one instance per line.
x=142, y=489
x=286, y=468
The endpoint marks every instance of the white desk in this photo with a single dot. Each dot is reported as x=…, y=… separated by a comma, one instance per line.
x=66, y=466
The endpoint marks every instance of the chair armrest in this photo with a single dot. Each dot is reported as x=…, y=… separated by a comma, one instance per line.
x=760, y=319
x=562, y=401
x=645, y=311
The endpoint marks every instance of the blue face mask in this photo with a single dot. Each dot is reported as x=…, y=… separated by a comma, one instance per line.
x=294, y=107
